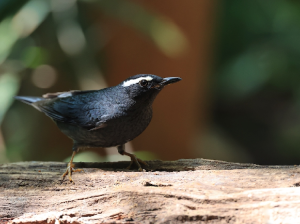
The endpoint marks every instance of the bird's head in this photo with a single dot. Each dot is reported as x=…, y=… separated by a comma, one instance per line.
x=145, y=86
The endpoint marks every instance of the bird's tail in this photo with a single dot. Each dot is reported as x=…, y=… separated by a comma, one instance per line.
x=29, y=99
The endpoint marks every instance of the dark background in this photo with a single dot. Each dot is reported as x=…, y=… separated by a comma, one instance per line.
x=239, y=99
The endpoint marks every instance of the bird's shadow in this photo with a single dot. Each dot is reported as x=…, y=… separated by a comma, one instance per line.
x=120, y=165
x=176, y=166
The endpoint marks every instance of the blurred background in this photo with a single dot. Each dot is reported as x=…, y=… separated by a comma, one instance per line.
x=239, y=98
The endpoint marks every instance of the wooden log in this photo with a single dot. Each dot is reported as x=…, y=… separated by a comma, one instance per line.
x=194, y=190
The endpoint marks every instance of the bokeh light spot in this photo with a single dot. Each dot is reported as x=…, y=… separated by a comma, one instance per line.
x=44, y=76
x=71, y=38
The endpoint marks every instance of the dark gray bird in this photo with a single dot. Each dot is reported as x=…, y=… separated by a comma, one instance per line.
x=103, y=118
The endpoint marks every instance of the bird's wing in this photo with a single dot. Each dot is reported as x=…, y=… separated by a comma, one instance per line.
x=81, y=108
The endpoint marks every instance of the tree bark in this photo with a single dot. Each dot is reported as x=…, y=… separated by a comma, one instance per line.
x=194, y=190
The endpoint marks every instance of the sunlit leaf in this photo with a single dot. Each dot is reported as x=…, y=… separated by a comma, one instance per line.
x=8, y=38
x=27, y=19
x=30, y=17
x=9, y=85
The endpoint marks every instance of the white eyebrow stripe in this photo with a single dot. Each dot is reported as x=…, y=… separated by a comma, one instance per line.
x=135, y=81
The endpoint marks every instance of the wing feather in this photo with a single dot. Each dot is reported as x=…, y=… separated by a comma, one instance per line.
x=83, y=109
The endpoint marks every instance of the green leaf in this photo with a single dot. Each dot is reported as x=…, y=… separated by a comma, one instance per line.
x=9, y=86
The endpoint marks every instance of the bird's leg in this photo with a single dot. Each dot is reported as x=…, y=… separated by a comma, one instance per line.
x=134, y=159
x=70, y=167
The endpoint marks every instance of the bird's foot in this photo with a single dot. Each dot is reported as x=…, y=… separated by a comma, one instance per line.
x=135, y=160
x=69, y=171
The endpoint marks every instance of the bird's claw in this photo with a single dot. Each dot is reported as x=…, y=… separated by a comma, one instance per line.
x=69, y=171
x=137, y=161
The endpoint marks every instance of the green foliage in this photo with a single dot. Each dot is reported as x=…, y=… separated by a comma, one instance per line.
x=257, y=79
x=259, y=47
x=34, y=56
x=9, y=85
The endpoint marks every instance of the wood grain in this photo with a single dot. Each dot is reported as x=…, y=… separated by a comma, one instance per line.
x=193, y=191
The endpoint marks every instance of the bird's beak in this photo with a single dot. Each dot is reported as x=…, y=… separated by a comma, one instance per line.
x=169, y=80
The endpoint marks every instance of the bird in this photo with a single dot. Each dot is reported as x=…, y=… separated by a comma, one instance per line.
x=108, y=117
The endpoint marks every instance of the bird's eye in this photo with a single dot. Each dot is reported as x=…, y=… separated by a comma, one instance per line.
x=143, y=83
